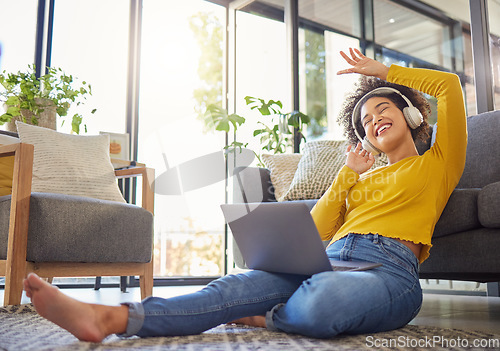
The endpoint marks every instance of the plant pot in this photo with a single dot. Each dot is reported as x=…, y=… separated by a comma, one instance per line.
x=46, y=119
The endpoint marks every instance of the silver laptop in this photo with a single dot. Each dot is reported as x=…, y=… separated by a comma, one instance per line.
x=282, y=237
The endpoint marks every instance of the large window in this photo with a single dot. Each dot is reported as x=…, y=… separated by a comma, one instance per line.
x=411, y=33
x=459, y=49
x=262, y=68
x=322, y=91
x=326, y=28
x=181, y=72
x=17, y=42
x=414, y=39
x=90, y=41
x=343, y=15
x=17, y=34
x=443, y=43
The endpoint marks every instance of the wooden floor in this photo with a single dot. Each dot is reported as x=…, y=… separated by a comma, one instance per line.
x=462, y=312
x=449, y=311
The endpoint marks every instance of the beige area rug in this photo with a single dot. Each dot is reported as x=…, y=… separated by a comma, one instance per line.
x=21, y=328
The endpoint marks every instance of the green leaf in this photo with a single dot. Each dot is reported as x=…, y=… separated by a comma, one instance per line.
x=265, y=108
x=278, y=103
x=236, y=120
x=75, y=123
x=231, y=148
x=12, y=101
x=5, y=118
x=13, y=111
x=222, y=126
x=296, y=118
x=218, y=117
x=305, y=119
x=294, y=121
x=61, y=111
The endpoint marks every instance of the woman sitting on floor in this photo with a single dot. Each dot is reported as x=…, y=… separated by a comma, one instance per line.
x=394, y=229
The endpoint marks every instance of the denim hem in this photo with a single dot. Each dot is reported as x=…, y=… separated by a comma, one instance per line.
x=135, y=318
x=269, y=317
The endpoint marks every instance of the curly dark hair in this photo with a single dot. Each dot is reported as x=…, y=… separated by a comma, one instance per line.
x=367, y=84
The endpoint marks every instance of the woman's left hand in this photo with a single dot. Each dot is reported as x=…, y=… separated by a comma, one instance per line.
x=359, y=160
x=364, y=65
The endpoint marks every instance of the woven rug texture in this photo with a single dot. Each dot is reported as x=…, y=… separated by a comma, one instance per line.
x=21, y=328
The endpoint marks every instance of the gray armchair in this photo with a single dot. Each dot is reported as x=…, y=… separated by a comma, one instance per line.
x=57, y=235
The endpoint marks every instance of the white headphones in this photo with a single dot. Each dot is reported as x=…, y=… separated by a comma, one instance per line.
x=412, y=116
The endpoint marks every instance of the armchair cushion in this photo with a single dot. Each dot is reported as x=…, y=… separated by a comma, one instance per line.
x=71, y=164
x=489, y=205
x=66, y=228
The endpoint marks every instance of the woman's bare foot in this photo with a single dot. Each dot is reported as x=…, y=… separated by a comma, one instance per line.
x=88, y=322
x=253, y=321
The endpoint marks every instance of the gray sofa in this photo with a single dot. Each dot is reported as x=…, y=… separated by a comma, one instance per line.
x=466, y=240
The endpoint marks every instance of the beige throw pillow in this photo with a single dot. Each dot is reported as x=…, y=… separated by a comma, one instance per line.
x=282, y=167
x=318, y=167
x=71, y=164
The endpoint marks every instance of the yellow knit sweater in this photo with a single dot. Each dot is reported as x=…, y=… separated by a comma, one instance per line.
x=403, y=200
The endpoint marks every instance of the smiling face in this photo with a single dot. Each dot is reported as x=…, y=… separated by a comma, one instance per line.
x=384, y=124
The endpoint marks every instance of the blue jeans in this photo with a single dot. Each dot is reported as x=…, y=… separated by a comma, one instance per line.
x=320, y=306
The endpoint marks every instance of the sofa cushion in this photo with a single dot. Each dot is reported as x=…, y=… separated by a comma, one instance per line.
x=66, y=228
x=482, y=165
x=467, y=255
x=282, y=168
x=460, y=213
x=252, y=184
x=317, y=168
x=489, y=205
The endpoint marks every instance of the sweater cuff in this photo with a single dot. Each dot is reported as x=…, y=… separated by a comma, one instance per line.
x=392, y=72
x=347, y=176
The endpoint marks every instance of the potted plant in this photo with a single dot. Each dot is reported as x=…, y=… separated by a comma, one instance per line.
x=37, y=100
x=275, y=137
